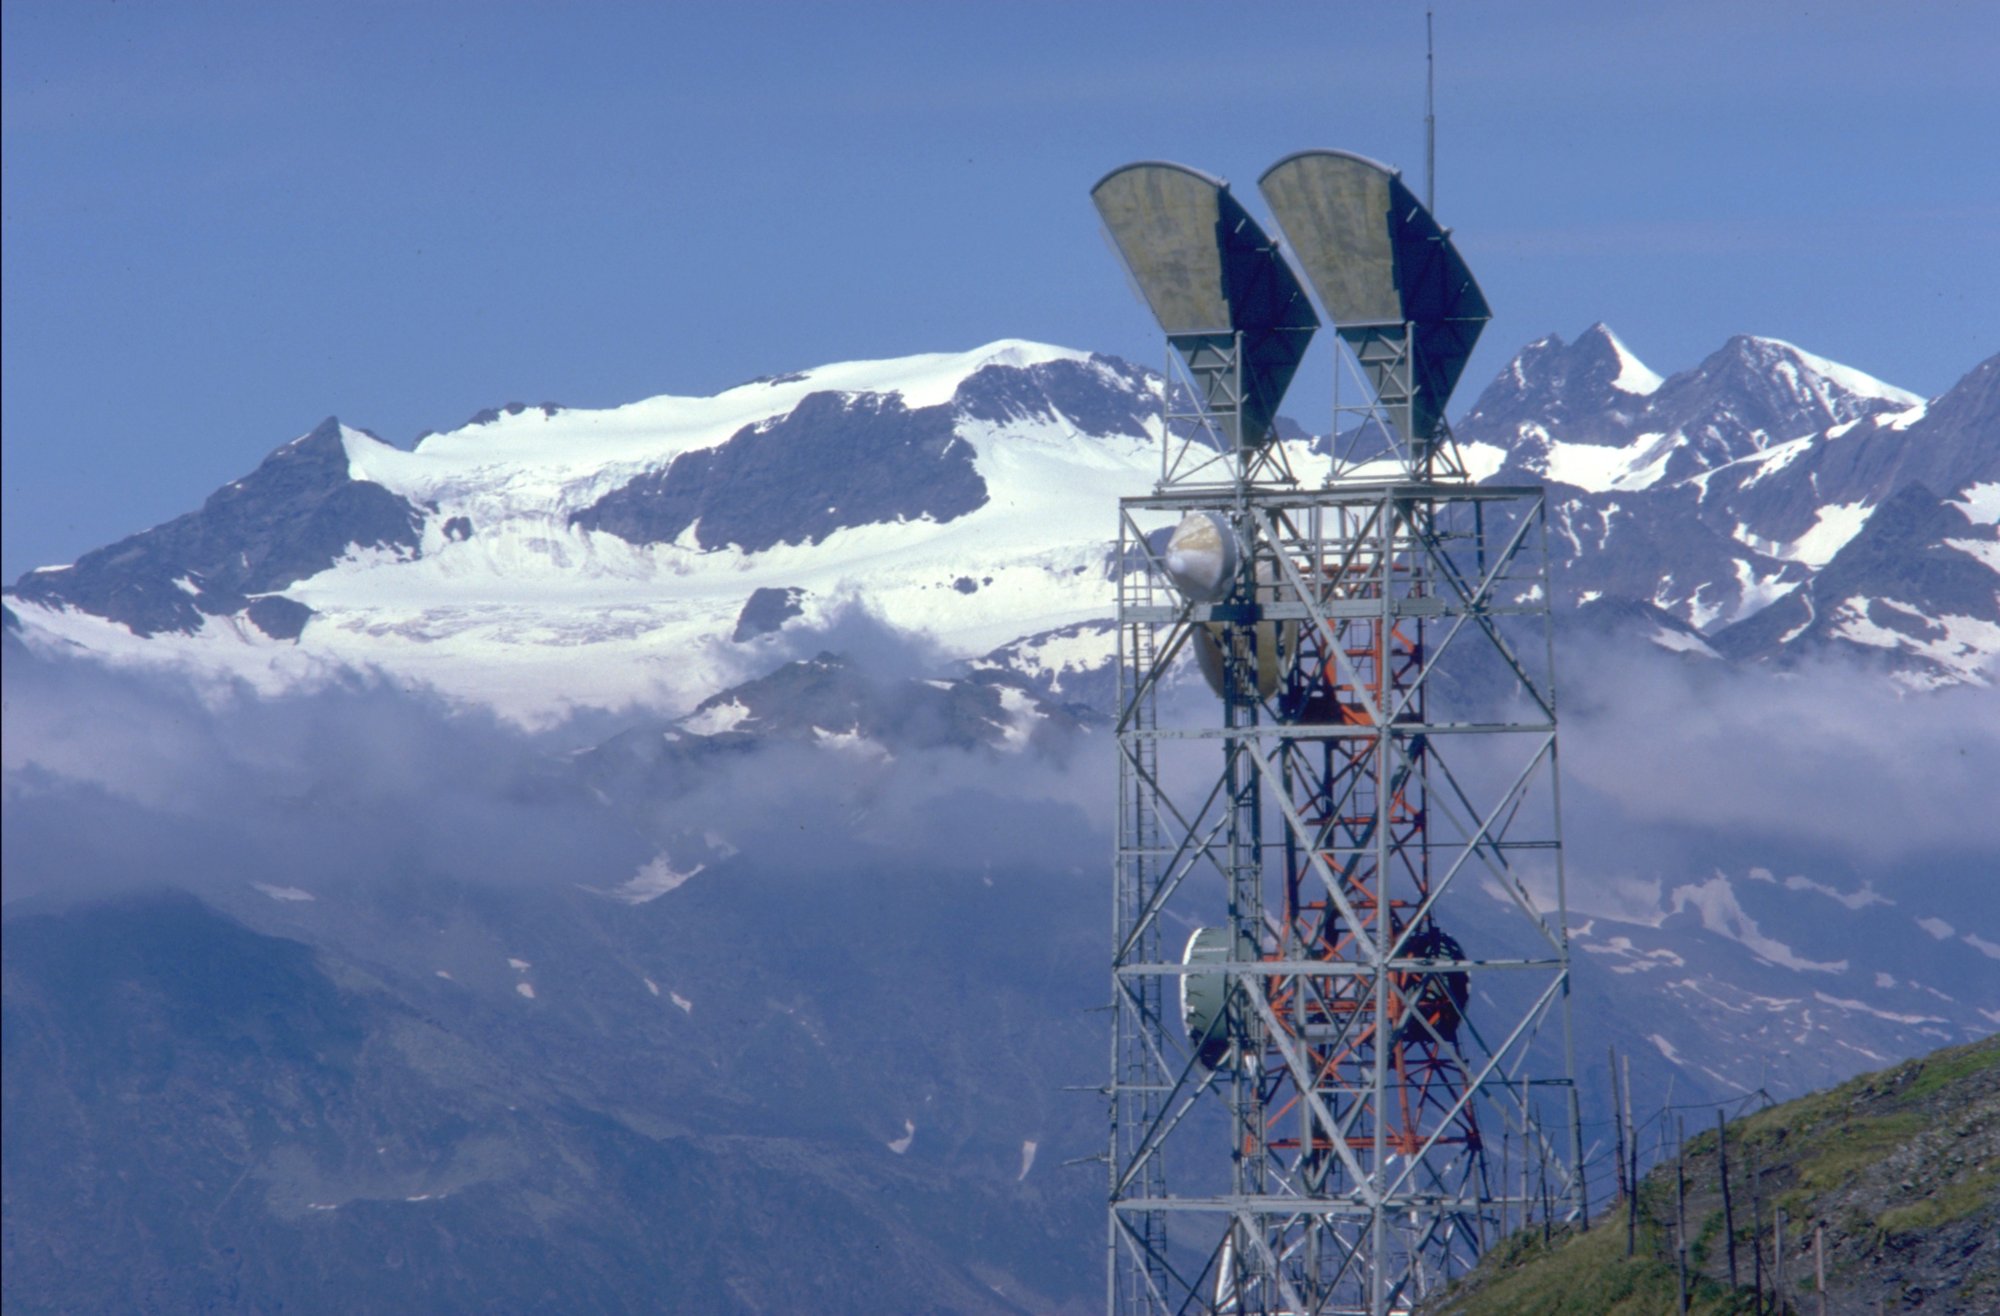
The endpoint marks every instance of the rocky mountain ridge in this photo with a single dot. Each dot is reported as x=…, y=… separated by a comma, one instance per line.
x=543, y=559
x=1776, y=504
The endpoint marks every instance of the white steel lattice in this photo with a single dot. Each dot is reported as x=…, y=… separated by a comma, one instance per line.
x=1375, y=840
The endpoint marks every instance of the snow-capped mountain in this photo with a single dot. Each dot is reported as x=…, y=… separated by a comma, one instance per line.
x=892, y=558
x=1773, y=502
x=1591, y=414
x=809, y=925
x=539, y=560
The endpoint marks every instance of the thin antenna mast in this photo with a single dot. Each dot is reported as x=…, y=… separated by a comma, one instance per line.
x=1430, y=118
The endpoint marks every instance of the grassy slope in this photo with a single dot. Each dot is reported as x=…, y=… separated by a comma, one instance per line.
x=1901, y=1168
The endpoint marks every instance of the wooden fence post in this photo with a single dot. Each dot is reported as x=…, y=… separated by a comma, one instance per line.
x=1728, y=1210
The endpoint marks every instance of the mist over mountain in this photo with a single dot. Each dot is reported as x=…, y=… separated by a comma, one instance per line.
x=543, y=867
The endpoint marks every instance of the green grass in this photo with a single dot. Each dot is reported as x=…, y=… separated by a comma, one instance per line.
x=1911, y=1081
x=1823, y=1140
x=1949, y=1067
x=1589, y=1274
x=1842, y=1152
x=1954, y=1202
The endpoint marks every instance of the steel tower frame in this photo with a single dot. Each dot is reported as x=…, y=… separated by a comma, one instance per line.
x=1330, y=1144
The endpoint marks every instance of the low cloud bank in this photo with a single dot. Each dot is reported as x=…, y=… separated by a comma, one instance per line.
x=1672, y=770
x=1831, y=757
x=115, y=779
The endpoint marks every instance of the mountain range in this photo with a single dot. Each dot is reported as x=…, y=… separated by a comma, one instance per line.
x=1771, y=502
x=621, y=839
x=1763, y=505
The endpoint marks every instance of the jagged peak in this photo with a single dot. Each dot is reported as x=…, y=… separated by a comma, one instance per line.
x=1762, y=351
x=324, y=443
x=327, y=430
x=1596, y=369
x=330, y=443
x=1634, y=376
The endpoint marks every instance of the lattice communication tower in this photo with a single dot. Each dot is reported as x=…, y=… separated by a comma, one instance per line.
x=1341, y=1057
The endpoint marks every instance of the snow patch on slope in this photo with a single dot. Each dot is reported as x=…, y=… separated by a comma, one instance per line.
x=1865, y=896
x=1985, y=551
x=718, y=719
x=1022, y=714
x=1963, y=647
x=655, y=878
x=1482, y=461
x=1596, y=469
x=1633, y=375
x=1834, y=524
x=1674, y=641
x=286, y=893
x=1981, y=503
x=1862, y=1007
x=1847, y=378
x=1715, y=901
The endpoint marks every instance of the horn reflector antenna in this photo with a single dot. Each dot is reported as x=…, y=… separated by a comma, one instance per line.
x=1395, y=286
x=1219, y=287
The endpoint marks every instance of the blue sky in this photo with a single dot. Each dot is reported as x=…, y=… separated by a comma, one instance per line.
x=223, y=222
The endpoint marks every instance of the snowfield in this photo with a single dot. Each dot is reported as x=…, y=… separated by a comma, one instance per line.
x=534, y=617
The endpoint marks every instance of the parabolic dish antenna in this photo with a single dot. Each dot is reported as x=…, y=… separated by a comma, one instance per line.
x=1379, y=261
x=1209, y=273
